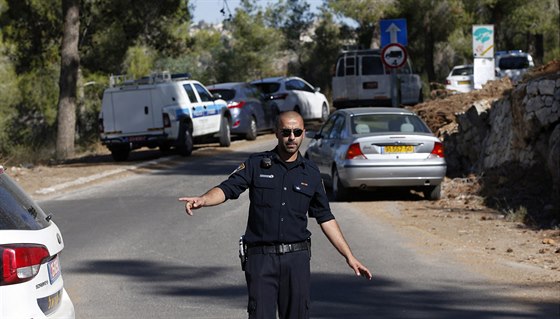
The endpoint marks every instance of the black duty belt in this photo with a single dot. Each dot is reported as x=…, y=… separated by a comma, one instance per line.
x=279, y=249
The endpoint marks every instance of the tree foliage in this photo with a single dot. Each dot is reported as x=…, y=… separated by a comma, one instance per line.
x=282, y=37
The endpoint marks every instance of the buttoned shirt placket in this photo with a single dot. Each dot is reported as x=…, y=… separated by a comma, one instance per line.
x=284, y=207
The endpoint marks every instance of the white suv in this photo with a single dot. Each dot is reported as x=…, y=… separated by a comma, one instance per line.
x=513, y=64
x=295, y=94
x=31, y=284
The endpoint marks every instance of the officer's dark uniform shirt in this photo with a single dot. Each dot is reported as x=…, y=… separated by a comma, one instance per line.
x=281, y=195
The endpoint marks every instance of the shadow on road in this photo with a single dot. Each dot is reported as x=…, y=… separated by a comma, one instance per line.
x=333, y=295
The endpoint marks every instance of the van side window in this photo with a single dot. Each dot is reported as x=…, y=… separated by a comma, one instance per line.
x=190, y=93
x=350, y=66
x=372, y=65
x=340, y=69
x=204, y=95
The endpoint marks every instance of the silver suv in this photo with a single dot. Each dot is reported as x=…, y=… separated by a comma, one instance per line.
x=513, y=64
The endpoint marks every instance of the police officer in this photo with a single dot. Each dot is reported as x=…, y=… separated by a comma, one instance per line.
x=283, y=188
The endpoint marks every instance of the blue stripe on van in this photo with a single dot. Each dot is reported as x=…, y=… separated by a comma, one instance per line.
x=200, y=111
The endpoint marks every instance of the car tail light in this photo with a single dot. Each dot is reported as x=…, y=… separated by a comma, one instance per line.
x=447, y=82
x=437, y=150
x=236, y=105
x=279, y=96
x=20, y=263
x=166, y=120
x=355, y=152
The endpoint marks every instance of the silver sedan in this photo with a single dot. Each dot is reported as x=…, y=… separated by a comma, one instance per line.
x=371, y=147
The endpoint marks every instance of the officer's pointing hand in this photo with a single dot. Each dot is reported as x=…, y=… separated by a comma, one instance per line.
x=192, y=203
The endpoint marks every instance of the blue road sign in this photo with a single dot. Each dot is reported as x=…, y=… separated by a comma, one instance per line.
x=393, y=31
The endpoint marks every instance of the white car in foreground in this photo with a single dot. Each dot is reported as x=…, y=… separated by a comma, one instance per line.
x=295, y=94
x=31, y=284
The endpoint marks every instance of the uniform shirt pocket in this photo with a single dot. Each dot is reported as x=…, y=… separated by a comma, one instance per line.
x=264, y=194
x=303, y=192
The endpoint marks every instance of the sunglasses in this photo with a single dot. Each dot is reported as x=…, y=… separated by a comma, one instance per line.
x=286, y=132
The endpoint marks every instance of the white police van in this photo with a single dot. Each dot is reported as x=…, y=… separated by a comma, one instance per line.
x=361, y=79
x=163, y=110
x=513, y=64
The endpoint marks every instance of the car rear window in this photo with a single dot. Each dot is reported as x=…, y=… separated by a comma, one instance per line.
x=17, y=210
x=462, y=71
x=379, y=123
x=225, y=93
x=268, y=87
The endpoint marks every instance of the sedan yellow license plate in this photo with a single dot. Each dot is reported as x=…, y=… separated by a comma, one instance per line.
x=464, y=82
x=399, y=149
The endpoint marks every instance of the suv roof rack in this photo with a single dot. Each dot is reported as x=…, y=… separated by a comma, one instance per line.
x=155, y=77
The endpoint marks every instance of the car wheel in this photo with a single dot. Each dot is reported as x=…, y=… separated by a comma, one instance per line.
x=120, y=153
x=340, y=193
x=324, y=112
x=432, y=192
x=252, y=134
x=225, y=134
x=185, y=141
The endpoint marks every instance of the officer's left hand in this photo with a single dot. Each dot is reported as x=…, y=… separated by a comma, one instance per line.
x=359, y=269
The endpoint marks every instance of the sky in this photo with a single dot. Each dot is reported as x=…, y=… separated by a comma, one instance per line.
x=209, y=10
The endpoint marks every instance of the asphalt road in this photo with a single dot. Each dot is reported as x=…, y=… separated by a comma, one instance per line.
x=132, y=252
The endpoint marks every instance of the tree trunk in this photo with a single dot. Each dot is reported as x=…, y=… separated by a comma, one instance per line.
x=69, y=65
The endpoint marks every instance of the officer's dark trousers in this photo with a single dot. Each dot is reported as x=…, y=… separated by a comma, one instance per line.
x=281, y=280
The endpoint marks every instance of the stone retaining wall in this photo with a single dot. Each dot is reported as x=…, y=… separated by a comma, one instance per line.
x=515, y=138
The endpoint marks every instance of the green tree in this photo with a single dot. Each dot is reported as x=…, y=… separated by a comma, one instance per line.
x=322, y=52
x=112, y=26
x=251, y=48
x=531, y=26
x=430, y=24
x=366, y=13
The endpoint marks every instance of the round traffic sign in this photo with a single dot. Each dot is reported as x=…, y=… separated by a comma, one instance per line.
x=393, y=55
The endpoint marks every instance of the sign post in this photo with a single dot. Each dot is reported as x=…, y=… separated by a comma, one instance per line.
x=393, y=54
x=483, y=54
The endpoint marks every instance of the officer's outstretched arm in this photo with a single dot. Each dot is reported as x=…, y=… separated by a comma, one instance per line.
x=214, y=196
x=334, y=234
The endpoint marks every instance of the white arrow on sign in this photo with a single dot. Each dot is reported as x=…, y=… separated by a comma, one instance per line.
x=393, y=31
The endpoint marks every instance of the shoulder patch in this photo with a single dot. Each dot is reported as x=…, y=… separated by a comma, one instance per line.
x=239, y=168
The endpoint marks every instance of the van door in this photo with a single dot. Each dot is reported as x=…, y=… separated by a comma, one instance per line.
x=373, y=84
x=411, y=86
x=205, y=114
x=132, y=111
x=345, y=79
